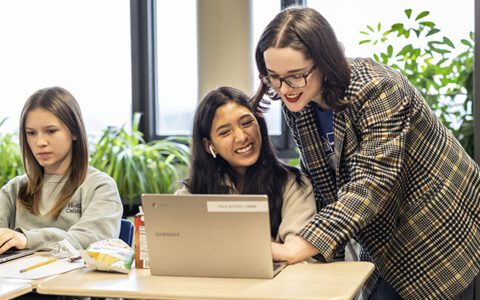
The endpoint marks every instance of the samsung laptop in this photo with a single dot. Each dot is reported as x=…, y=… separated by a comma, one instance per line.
x=209, y=236
x=14, y=254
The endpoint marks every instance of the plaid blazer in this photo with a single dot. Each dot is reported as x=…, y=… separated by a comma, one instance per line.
x=403, y=186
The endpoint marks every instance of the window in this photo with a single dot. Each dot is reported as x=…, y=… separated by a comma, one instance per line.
x=348, y=18
x=81, y=45
x=177, y=73
x=454, y=21
x=178, y=63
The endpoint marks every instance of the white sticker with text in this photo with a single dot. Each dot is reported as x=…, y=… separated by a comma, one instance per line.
x=237, y=206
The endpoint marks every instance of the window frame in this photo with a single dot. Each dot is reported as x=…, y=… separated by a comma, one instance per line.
x=144, y=68
x=144, y=75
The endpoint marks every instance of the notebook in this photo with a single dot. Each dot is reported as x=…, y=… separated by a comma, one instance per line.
x=209, y=235
x=13, y=254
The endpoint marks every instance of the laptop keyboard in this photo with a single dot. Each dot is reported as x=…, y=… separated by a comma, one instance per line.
x=6, y=256
x=277, y=264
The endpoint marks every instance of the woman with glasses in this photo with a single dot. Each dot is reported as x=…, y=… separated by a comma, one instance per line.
x=231, y=154
x=385, y=171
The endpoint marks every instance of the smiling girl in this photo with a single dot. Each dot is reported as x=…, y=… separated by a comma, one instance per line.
x=60, y=197
x=231, y=154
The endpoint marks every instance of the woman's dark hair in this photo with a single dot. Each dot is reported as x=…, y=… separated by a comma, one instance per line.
x=305, y=30
x=63, y=105
x=208, y=175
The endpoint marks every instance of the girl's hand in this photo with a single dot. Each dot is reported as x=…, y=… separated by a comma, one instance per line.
x=10, y=238
x=293, y=250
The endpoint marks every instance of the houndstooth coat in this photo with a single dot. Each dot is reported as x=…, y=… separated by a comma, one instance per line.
x=403, y=187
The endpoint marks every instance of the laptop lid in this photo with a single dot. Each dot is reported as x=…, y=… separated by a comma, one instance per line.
x=208, y=235
x=14, y=254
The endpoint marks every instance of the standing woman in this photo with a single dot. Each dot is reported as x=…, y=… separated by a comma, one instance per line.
x=385, y=171
x=231, y=154
x=60, y=197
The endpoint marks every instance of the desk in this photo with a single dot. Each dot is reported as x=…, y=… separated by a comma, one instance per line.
x=339, y=280
x=11, y=288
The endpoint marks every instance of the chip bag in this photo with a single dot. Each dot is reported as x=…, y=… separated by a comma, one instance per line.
x=109, y=255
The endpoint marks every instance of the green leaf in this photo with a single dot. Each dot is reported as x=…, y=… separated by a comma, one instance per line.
x=448, y=42
x=408, y=13
x=427, y=23
x=364, y=42
x=433, y=31
x=379, y=26
x=423, y=14
x=466, y=42
x=397, y=27
x=390, y=50
x=370, y=28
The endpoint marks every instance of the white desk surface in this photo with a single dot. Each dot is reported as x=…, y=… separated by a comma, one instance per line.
x=339, y=280
x=11, y=288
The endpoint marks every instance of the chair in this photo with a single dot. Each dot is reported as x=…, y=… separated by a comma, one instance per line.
x=126, y=231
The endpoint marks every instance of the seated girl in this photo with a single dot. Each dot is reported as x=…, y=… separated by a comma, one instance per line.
x=60, y=197
x=231, y=154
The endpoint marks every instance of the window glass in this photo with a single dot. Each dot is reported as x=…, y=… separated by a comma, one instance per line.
x=348, y=18
x=455, y=22
x=81, y=45
x=177, y=89
x=263, y=12
x=177, y=71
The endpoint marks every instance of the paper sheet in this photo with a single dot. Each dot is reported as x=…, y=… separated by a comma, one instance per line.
x=12, y=269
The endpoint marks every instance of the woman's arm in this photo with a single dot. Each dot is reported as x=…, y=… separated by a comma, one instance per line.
x=294, y=250
x=9, y=238
x=374, y=149
x=298, y=208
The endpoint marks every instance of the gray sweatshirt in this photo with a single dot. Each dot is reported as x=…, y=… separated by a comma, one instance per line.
x=93, y=213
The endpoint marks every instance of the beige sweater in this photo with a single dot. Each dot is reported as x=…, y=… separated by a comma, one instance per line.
x=297, y=209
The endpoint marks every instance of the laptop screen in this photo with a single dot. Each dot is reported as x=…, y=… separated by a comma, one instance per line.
x=208, y=235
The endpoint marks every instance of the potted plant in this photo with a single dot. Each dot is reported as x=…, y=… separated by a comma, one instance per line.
x=10, y=158
x=426, y=58
x=139, y=167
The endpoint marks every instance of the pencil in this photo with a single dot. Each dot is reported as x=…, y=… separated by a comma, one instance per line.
x=45, y=262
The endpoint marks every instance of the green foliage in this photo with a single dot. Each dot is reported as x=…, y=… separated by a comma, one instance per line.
x=138, y=167
x=10, y=159
x=427, y=59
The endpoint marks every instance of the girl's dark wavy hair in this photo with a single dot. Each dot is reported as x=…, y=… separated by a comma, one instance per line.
x=208, y=175
x=305, y=30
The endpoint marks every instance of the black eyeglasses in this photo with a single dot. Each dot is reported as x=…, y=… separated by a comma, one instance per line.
x=294, y=81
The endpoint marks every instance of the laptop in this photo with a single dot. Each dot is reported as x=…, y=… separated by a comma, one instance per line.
x=209, y=236
x=11, y=254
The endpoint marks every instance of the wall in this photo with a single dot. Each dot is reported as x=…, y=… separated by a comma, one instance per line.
x=224, y=52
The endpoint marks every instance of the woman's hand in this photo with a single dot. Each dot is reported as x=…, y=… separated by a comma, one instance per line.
x=10, y=238
x=293, y=250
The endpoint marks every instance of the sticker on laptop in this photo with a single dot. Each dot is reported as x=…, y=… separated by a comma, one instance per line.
x=237, y=206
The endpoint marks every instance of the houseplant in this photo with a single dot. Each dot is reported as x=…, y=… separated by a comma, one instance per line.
x=429, y=61
x=10, y=159
x=139, y=167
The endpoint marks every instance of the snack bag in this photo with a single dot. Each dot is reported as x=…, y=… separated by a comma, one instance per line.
x=109, y=255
